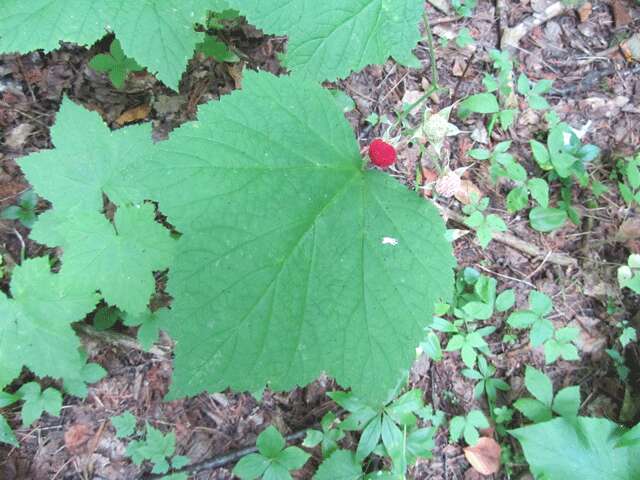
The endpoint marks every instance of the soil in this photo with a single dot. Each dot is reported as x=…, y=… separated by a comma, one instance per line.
x=594, y=86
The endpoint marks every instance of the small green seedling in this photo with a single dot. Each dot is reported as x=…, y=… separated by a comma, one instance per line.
x=125, y=424
x=274, y=461
x=485, y=226
x=36, y=402
x=464, y=8
x=562, y=345
x=534, y=319
x=24, y=211
x=156, y=448
x=487, y=385
x=214, y=48
x=467, y=427
x=503, y=164
x=533, y=91
x=630, y=184
x=115, y=64
x=328, y=437
x=541, y=408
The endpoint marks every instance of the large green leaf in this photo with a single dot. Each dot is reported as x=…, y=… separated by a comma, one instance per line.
x=556, y=451
x=157, y=33
x=35, y=324
x=330, y=39
x=42, y=24
x=294, y=258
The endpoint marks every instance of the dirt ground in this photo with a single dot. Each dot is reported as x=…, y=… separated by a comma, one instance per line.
x=594, y=85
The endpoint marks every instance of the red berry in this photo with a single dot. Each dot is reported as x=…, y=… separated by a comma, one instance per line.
x=382, y=154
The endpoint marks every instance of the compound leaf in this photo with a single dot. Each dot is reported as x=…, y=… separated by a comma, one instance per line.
x=330, y=39
x=284, y=269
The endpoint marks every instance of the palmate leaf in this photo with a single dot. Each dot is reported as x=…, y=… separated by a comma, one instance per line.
x=284, y=269
x=159, y=34
x=35, y=324
x=118, y=258
x=332, y=38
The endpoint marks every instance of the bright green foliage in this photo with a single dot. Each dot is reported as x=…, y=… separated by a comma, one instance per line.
x=330, y=39
x=74, y=176
x=341, y=465
x=106, y=317
x=630, y=184
x=274, y=460
x=467, y=427
x=310, y=283
x=557, y=450
x=486, y=383
x=89, y=373
x=464, y=7
x=389, y=429
x=37, y=401
x=150, y=324
x=216, y=49
x=97, y=252
x=505, y=300
x=486, y=226
x=547, y=219
x=25, y=211
x=83, y=167
x=562, y=345
x=533, y=91
x=479, y=103
x=629, y=274
x=540, y=409
x=564, y=153
x=468, y=342
x=35, y=324
x=156, y=448
x=329, y=437
x=6, y=433
x=157, y=33
x=116, y=64
x=534, y=319
x=630, y=438
x=503, y=164
x=464, y=38
x=42, y=24
x=124, y=424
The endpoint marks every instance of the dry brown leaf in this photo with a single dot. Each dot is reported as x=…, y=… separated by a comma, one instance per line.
x=629, y=230
x=465, y=191
x=17, y=136
x=620, y=14
x=448, y=185
x=584, y=12
x=484, y=456
x=134, y=114
x=631, y=48
x=77, y=437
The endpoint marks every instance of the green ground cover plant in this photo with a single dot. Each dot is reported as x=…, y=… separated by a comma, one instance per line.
x=287, y=253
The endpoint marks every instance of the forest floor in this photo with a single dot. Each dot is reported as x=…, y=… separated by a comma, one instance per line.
x=595, y=87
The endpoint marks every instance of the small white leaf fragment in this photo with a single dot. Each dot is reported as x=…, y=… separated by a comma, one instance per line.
x=389, y=241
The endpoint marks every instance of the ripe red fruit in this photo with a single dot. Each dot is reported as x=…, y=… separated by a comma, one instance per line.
x=382, y=154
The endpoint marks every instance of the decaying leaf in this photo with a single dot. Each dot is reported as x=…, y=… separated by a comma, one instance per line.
x=484, y=456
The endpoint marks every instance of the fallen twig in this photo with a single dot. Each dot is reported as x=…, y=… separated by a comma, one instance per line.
x=517, y=243
x=87, y=333
x=221, y=461
x=510, y=37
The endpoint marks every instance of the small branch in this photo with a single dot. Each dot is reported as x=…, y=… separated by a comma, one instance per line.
x=223, y=460
x=516, y=243
x=511, y=36
x=87, y=333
